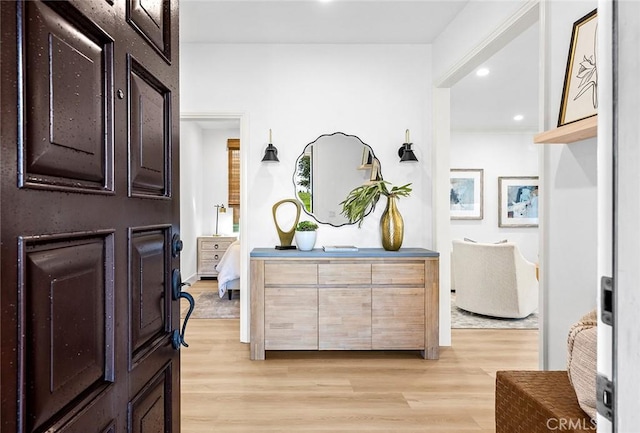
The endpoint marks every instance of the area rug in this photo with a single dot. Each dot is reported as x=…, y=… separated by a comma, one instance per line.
x=209, y=305
x=461, y=319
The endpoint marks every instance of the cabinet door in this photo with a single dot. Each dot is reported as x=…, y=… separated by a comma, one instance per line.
x=344, y=317
x=397, y=318
x=290, y=318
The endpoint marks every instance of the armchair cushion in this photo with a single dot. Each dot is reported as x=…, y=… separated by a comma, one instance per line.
x=493, y=279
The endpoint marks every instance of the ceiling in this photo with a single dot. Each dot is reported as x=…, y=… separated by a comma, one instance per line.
x=313, y=21
x=477, y=103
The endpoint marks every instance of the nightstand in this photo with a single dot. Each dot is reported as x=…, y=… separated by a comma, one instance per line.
x=210, y=252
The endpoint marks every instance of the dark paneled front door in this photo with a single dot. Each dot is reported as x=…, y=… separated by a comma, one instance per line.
x=89, y=207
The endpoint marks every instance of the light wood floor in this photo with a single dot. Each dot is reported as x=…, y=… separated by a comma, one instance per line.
x=223, y=391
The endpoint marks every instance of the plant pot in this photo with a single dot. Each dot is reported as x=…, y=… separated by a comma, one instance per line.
x=391, y=226
x=306, y=240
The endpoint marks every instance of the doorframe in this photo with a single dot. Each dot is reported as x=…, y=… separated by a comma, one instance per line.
x=528, y=14
x=244, y=244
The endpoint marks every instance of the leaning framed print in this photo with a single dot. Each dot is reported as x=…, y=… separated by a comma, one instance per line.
x=518, y=201
x=465, y=196
x=580, y=90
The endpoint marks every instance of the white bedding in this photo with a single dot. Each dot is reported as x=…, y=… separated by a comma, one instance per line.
x=229, y=267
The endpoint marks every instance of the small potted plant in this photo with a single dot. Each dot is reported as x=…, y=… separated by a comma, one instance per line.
x=362, y=200
x=306, y=235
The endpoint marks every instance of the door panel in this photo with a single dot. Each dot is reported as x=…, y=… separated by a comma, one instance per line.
x=89, y=167
x=68, y=314
x=150, y=410
x=150, y=103
x=68, y=73
x=151, y=19
x=150, y=300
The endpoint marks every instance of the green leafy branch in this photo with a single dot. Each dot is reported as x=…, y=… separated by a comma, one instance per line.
x=363, y=199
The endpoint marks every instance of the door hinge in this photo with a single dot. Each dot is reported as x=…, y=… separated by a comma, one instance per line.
x=604, y=397
x=606, y=300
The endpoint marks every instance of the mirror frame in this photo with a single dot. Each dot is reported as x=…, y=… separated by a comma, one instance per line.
x=374, y=159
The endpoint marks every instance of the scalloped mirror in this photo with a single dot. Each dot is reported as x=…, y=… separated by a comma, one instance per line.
x=328, y=169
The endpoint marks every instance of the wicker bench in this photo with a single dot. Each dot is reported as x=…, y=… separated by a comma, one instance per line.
x=538, y=402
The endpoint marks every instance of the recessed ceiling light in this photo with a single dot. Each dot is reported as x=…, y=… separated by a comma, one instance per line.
x=482, y=72
x=518, y=117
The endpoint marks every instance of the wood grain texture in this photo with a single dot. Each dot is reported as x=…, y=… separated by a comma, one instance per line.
x=397, y=318
x=432, y=308
x=257, y=309
x=344, y=319
x=569, y=133
x=344, y=273
x=285, y=273
x=405, y=316
x=290, y=318
x=345, y=391
x=397, y=273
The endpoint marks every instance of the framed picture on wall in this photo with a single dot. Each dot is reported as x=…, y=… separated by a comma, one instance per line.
x=465, y=196
x=518, y=201
x=580, y=91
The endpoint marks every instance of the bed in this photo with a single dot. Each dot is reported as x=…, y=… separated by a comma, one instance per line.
x=229, y=270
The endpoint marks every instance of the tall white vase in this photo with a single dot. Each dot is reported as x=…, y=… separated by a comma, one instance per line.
x=306, y=240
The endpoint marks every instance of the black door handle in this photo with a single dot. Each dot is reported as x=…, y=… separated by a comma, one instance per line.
x=177, y=337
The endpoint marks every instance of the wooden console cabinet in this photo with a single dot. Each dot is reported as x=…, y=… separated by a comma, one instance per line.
x=210, y=252
x=371, y=299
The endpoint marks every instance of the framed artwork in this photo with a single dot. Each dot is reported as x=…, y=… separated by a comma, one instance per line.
x=465, y=196
x=580, y=90
x=518, y=201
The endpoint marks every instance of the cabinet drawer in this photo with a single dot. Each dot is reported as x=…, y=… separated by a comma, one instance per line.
x=344, y=273
x=290, y=318
x=290, y=273
x=398, y=273
x=210, y=256
x=213, y=245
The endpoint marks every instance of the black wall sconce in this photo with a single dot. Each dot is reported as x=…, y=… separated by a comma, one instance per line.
x=405, y=152
x=270, y=153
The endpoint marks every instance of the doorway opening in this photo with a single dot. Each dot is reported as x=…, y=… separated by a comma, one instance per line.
x=457, y=148
x=211, y=204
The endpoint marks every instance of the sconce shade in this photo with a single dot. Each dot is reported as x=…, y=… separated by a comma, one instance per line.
x=270, y=154
x=406, y=153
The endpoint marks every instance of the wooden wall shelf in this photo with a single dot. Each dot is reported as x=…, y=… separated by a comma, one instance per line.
x=576, y=131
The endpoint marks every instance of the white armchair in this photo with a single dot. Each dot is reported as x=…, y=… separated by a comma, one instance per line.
x=494, y=279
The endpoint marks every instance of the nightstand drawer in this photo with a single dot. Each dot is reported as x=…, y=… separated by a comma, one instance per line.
x=210, y=255
x=213, y=245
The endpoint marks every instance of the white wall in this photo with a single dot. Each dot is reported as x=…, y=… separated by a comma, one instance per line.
x=569, y=201
x=215, y=189
x=191, y=183
x=498, y=154
x=303, y=91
